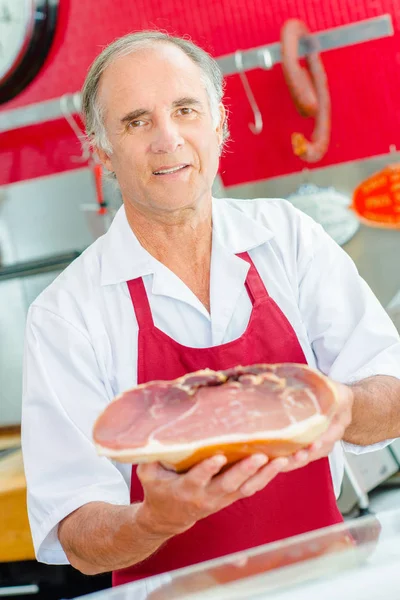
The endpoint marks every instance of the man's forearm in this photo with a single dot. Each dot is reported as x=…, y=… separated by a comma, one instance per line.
x=376, y=411
x=100, y=537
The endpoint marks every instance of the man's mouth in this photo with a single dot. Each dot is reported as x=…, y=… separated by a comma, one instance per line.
x=168, y=170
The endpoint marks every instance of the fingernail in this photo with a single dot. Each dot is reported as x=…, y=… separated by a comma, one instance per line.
x=259, y=460
x=283, y=462
x=220, y=460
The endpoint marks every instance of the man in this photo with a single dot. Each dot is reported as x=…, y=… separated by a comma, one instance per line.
x=182, y=282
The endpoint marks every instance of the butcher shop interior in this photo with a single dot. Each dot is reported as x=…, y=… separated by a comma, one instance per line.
x=177, y=303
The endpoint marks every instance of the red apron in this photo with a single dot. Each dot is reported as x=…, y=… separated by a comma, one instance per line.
x=292, y=503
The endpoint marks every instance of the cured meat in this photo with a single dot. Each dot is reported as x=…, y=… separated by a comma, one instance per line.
x=275, y=409
x=309, y=93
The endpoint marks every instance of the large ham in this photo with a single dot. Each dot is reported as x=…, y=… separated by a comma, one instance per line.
x=275, y=409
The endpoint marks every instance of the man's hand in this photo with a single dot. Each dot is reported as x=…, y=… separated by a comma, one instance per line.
x=173, y=503
x=335, y=432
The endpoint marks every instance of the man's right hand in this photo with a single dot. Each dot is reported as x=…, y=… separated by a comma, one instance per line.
x=99, y=537
x=174, y=502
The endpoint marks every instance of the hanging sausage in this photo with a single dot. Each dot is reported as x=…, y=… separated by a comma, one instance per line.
x=309, y=91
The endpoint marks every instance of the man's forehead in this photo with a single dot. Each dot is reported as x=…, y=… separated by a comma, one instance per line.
x=150, y=71
x=163, y=58
x=146, y=79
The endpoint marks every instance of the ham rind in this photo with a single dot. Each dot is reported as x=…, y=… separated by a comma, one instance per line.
x=275, y=409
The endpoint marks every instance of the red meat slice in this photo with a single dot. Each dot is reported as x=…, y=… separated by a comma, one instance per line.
x=275, y=409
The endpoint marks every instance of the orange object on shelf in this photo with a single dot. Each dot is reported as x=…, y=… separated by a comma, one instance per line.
x=15, y=534
x=376, y=201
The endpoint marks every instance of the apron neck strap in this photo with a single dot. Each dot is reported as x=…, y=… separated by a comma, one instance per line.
x=254, y=283
x=140, y=303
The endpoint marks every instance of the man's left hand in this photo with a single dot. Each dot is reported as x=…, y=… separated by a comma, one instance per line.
x=335, y=432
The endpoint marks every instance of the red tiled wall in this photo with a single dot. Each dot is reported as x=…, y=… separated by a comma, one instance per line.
x=364, y=80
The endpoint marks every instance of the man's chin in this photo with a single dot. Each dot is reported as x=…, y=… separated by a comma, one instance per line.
x=176, y=202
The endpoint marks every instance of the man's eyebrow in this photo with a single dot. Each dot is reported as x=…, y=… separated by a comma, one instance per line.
x=141, y=112
x=134, y=115
x=187, y=101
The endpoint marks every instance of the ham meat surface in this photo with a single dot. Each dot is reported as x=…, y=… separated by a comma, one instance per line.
x=275, y=409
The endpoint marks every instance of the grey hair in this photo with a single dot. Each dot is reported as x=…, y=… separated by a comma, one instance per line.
x=211, y=77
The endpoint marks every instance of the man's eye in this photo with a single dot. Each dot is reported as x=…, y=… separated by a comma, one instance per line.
x=135, y=124
x=186, y=111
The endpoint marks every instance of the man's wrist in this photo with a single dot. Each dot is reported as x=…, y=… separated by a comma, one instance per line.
x=149, y=525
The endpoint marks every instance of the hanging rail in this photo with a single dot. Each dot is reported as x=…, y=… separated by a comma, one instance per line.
x=263, y=57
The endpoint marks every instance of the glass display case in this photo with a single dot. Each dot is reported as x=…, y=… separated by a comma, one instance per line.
x=354, y=560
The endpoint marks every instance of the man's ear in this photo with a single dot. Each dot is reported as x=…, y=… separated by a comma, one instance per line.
x=104, y=158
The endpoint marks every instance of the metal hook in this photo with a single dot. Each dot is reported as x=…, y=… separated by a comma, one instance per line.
x=86, y=153
x=257, y=127
x=265, y=59
x=77, y=102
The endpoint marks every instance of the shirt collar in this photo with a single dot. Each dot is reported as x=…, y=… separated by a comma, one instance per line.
x=123, y=258
x=235, y=229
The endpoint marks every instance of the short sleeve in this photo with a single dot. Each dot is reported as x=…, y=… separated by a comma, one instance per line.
x=351, y=334
x=63, y=394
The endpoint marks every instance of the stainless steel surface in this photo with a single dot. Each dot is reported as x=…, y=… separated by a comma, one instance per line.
x=49, y=264
x=44, y=216
x=256, y=574
x=393, y=309
x=344, y=177
x=40, y=112
x=263, y=57
x=37, y=218
x=12, y=324
x=364, y=473
x=356, y=485
x=19, y=590
x=218, y=190
x=395, y=448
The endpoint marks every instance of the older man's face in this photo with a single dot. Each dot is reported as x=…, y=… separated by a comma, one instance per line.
x=158, y=121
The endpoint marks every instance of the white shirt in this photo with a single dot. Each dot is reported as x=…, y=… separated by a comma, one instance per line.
x=81, y=340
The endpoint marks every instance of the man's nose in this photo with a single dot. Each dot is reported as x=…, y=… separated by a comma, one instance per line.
x=167, y=138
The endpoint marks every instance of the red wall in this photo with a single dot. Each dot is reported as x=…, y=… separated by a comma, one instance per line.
x=364, y=80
